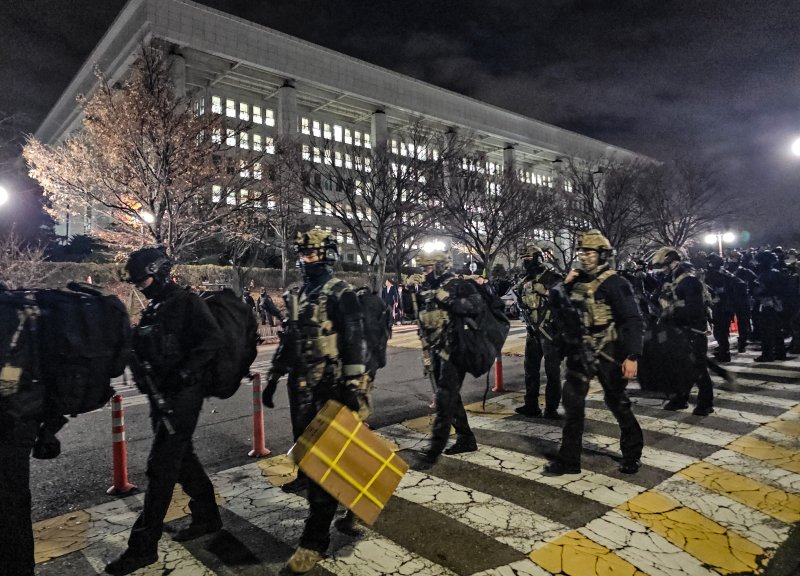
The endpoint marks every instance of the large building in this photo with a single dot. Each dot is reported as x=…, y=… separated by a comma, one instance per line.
x=284, y=85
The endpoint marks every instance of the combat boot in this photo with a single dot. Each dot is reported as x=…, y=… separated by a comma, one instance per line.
x=303, y=560
x=461, y=446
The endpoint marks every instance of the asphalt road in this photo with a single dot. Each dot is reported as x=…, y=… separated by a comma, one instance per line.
x=80, y=476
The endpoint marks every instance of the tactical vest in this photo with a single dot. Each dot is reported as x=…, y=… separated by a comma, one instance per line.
x=320, y=341
x=597, y=316
x=668, y=297
x=433, y=320
x=534, y=296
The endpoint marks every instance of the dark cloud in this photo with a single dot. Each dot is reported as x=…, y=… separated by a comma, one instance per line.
x=717, y=79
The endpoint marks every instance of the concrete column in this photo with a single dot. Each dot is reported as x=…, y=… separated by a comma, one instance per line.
x=379, y=133
x=509, y=158
x=177, y=70
x=287, y=109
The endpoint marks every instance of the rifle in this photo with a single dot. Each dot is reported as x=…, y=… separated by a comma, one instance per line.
x=427, y=359
x=526, y=315
x=143, y=374
x=573, y=331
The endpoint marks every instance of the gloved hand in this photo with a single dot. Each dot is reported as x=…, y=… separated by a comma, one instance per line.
x=269, y=390
x=47, y=446
x=350, y=395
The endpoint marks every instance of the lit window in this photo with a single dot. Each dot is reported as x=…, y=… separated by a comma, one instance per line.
x=326, y=131
x=271, y=204
x=306, y=206
x=216, y=193
x=317, y=156
x=358, y=259
x=366, y=141
x=243, y=195
x=394, y=146
x=269, y=117
x=231, y=138
x=367, y=165
x=403, y=149
x=230, y=108
x=216, y=136
x=348, y=136
x=394, y=169
x=244, y=111
x=339, y=237
x=348, y=160
x=317, y=130
x=200, y=106
x=357, y=138
x=257, y=142
x=216, y=105
x=338, y=159
x=337, y=132
x=270, y=145
x=435, y=153
x=304, y=126
x=244, y=170
x=257, y=171
x=359, y=188
x=328, y=209
x=257, y=115
x=306, y=152
x=230, y=199
x=318, y=209
x=328, y=157
x=244, y=141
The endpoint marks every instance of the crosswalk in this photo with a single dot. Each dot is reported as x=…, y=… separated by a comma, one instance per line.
x=716, y=495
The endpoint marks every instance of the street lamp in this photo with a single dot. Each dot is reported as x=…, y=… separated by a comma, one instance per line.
x=3, y=195
x=796, y=147
x=145, y=218
x=719, y=237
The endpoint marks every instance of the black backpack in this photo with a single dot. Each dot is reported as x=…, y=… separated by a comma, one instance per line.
x=75, y=342
x=377, y=328
x=476, y=342
x=240, y=332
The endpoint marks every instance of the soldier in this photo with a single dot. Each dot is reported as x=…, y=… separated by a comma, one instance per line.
x=532, y=291
x=742, y=297
x=769, y=300
x=441, y=296
x=721, y=284
x=322, y=351
x=600, y=323
x=173, y=344
x=684, y=304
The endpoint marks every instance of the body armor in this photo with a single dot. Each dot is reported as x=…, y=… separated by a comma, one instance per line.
x=433, y=322
x=320, y=347
x=534, y=295
x=597, y=316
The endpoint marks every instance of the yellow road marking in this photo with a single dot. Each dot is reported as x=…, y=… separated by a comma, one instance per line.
x=709, y=542
x=763, y=497
x=179, y=507
x=574, y=554
x=61, y=535
x=771, y=453
x=279, y=469
x=788, y=427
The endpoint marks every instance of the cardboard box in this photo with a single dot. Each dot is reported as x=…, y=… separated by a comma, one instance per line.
x=349, y=461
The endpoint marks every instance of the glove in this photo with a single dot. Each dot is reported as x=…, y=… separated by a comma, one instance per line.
x=269, y=391
x=47, y=446
x=350, y=394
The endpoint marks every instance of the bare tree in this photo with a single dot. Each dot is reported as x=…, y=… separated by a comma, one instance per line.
x=378, y=195
x=607, y=196
x=142, y=152
x=22, y=265
x=682, y=200
x=485, y=207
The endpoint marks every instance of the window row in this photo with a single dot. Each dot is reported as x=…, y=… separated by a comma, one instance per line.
x=311, y=206
x=243, y=196
x=245, y=111
x=334, y=132
x=336, y=158
x=245, y=141
x=413, y=151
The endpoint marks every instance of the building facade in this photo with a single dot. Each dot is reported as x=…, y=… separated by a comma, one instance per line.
x=285, y=86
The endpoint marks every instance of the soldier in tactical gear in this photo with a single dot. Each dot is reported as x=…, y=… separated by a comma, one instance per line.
x=532, y=296
x=770, y=303
x=173, y=344
x=742, y=297
x=322, y=351
x=721, y=284
x=683, y=302
x=608, y=344
x=442, y=296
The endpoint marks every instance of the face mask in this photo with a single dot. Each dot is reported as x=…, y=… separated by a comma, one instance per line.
x=532, y=265
x=153, y=290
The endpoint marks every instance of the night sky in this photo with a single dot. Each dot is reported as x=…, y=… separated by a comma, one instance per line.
x=716, y=80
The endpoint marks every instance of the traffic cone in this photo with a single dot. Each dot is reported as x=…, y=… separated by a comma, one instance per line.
x=258, y=421
x=121, y=485
x=498, y=375
x=734, y=326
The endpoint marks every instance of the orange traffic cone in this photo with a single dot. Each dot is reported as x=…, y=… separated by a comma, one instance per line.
x=258, y=421
x=121, y=485
x=498, y=375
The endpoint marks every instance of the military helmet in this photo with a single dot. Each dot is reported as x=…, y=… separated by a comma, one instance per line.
x=714, y=260
x=435, y=257
x=594, y=240
x=767, y=258
x=665, y=256
x=531, y=251
x=148, y=262
x=319, y=240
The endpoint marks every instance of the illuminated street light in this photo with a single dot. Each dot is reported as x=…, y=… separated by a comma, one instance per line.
x=146, y=217
x=433, y=245
x=796, y=147
x=3, y=195
x=720, y=237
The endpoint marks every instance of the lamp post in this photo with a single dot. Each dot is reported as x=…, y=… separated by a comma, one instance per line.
x=718, y=238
